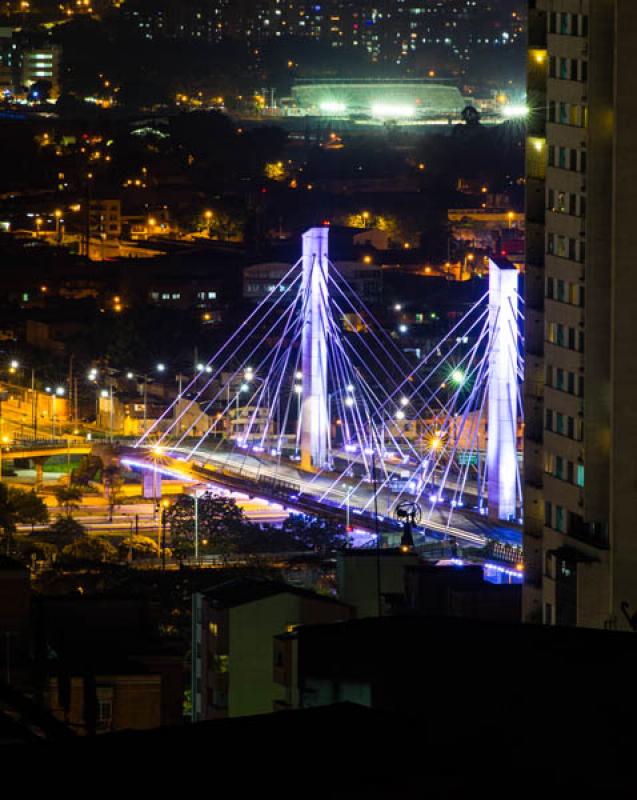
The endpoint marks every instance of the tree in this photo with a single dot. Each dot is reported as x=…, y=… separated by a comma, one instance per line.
x=113, y=483
x=64, y=531
x=86, y=470
x=140, y=547
x=315, y=533
x=30, y=509
x=68, y=498
x=40, y=91
x=470, y=116
x=92, y=548
x=221, y=525
x=8, y=514
x=35, y=548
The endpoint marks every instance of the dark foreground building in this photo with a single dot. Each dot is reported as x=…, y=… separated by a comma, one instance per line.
x=444, y=708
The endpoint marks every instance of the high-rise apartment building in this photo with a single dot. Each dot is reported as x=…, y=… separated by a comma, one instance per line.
x=581, y=314
x=393, y=31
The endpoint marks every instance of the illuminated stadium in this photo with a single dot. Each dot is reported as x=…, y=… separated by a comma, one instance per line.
x=378, y=99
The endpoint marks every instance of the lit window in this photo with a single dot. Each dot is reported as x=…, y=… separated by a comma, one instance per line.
x=213, y=629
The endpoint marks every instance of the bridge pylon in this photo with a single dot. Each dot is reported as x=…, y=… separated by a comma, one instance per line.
x=502, y=489
x=314, y=434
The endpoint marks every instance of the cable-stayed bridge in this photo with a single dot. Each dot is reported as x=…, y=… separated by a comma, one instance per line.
x=313, y=403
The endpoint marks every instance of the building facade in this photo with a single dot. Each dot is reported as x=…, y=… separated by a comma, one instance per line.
x=581, y=296
x=233, y=628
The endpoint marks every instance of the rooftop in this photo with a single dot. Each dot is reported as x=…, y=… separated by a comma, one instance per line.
x=250, y=590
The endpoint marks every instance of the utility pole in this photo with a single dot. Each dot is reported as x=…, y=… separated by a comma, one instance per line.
x=34, y=406
x=4, y=395
x=196, y=527
x=71, y=387
x=145, y=400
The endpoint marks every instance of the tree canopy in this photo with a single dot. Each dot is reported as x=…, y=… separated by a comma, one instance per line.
x=221, y=525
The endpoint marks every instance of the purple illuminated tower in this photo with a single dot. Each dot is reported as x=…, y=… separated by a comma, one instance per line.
x=502, y=468
x=314, y=421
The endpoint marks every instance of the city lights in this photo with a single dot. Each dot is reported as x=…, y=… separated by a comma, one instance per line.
x=333, y=107
x=392, y=111
x=515, y=111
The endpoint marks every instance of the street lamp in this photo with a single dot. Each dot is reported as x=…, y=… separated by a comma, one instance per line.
x=55, y=393
x=164, y=520
x=457, y=377
x=350, y=492
x=196, y=499
x=109, y=393
x=14, y=366
x=58, y=220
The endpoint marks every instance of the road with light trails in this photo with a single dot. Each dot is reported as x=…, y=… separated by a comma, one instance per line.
x=97, y=520
x=465, y=525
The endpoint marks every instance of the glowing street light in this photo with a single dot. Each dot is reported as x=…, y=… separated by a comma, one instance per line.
x=404, y=401
x=515, y=111
x=403, y=328
x=400, y=414
x=349, y=402
x=435, y=442
x=161, y=367
x=457, y=377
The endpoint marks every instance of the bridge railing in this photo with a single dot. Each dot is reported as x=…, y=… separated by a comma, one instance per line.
x=25, y=443
x=500, y=551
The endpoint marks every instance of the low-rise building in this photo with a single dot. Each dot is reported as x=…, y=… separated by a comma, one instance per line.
x=105, y=217
x=234, y=625
x=365, y=279
x=42, y=64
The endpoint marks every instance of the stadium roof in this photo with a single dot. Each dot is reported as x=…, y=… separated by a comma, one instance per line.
x=392, y=99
